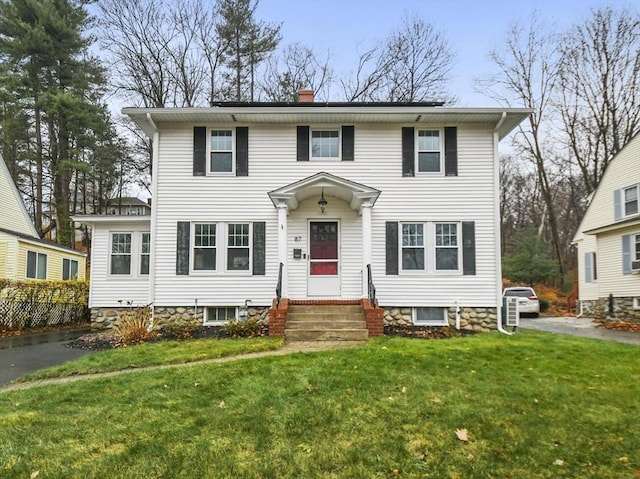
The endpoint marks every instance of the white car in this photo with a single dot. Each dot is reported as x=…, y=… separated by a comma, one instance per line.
x=528, y=300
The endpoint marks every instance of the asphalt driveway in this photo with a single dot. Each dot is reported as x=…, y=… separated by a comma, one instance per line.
x=584, y=327
x=20, y=355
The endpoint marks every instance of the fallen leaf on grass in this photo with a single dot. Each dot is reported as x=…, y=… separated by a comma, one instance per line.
x=558, y=462
x=35, y=474
x=222, y=405
x=623, y=459
x=436, y=400
x=462, y=435
x=404, y=390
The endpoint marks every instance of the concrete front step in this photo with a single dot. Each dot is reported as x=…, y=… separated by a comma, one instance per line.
x=326, y=335
x=326, y=324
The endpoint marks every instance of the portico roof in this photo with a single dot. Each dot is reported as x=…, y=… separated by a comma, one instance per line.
x=355, y=194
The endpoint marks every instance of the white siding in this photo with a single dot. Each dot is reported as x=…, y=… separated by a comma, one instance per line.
x=106, y=290
x=622, y=171
x=378, y=164
x=13, y=215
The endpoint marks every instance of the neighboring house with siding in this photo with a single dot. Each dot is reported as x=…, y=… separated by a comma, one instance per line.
x=23, y=255
x=319, y=201
x=608, y=241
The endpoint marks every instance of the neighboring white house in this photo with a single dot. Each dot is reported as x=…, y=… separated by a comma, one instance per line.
x=608, y=241
x=330, y=191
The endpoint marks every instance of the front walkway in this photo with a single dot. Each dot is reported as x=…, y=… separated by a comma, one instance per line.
x=584, y=327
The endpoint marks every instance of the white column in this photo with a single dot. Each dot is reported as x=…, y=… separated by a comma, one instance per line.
x=282, y=246
x=365, y=211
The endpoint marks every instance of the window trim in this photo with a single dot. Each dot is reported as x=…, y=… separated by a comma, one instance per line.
x=637, y=200
x=441, y=152
x=222, y=248
x=70, y=261
x=338, y=130
x=458, y=246
x=443, y=322
x=209, y=170
x=141, y=253
x=205, y=315
x=111, y=253
x=39, y=255
x=424, y=247
x=636, y=242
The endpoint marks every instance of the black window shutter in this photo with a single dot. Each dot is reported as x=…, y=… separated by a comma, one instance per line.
x=408, y=152
x=451, y=151
x=258, y=248
x=303, y=143
x=392, y=248
x=182, y=248
x=347, y=143
x=468, y=248
x=242, y=151
x=199, y=151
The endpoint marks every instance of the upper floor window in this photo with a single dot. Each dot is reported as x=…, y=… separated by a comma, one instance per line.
x=221, y=151
x=120, y=253
x=69, y=269
x=429, y=151
x=145, y=252
x=637, y=247
x=204, y=251
x=36, y=265
x=325, y=143
x=413, y=251
x=447, y=247
x=631, y=200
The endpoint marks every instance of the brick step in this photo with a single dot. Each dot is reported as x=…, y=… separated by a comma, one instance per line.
x=325, y=309
x=322, y=317
x=326, y=335
x=310, y=323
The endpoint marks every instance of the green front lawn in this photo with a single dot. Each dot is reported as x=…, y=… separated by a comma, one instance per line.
x=534, y=405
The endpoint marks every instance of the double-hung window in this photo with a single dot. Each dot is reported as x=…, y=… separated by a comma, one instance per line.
x=69, y=269
x=204, y=251
x=120, y=253
x=36, y=265
x=429, y=151
x=325, y=144
x=637, y=245
x=221, y=151
x=413, y=250
x=238, y=247
x=145, y=252
x=631, y=200
x=447, y=247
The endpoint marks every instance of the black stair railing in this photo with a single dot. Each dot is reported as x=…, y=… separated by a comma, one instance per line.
x=371, y=289
x=279, y=285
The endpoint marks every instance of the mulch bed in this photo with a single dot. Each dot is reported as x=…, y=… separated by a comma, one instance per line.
x=425, y=332
x=620, y=326
x=6, y=332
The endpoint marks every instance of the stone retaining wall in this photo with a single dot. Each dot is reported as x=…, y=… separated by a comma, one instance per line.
x=471, y=319
x=106, y=318
x=599, y=309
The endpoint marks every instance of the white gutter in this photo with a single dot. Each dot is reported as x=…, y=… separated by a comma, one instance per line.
x=496, y=193
x=154, y=215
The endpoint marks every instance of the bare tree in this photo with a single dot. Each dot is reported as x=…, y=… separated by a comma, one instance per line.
x=527, y=65
x=295, y=69
x=412, y=64
x=599, y=89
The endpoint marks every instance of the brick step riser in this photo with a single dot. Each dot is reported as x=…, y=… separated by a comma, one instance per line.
x=325, y=317
x=326, y=309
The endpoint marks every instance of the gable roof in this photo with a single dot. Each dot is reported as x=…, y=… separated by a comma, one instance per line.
x=15, y=215
x=611, y=180
x=42, y=242
x=503, y=119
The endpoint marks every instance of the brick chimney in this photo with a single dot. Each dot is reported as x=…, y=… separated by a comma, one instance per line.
x=305, y=96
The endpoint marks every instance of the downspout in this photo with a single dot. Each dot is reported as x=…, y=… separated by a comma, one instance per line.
x=154, y=216
x=496, y=193
x=457, y=316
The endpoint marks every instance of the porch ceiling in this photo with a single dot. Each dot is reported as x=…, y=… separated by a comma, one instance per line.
x=355, y=194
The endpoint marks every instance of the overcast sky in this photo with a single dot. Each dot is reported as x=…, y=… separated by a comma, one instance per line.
x=473, y=28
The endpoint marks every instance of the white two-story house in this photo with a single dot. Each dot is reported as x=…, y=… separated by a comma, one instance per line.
x=273, y=204
x=608, y=241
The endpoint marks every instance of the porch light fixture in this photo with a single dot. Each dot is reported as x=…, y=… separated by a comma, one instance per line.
x=322, y=203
